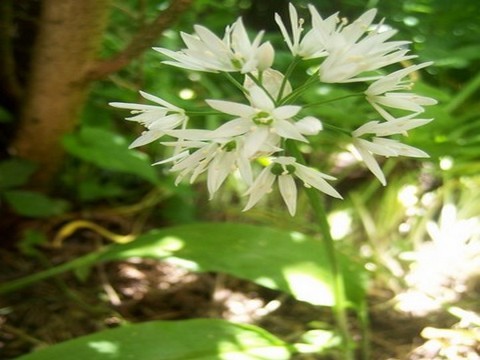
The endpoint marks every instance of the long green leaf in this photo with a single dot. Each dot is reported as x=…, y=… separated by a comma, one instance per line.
x=277, y=259
x=199, y=339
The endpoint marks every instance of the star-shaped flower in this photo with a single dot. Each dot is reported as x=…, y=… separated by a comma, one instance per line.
x=310, y=45
x=352, y=50
x=157, y=119
x=262, y=123
x=205, y=51
x=218, y=158
x=383, y=93
x=378, y=145
x=284, y=169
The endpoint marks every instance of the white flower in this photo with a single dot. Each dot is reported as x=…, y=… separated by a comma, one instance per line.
x=217, y=158
x=309, y=125
x=350, y=53
x=384, y=147
x=272, y=81
x=235, y=52
x=261, y=123
x=157, y=119
x=382, y=93
x=392, y=127
x=309, y=46
x=283, y=169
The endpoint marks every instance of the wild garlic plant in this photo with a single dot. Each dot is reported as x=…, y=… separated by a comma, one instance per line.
x=256, y=131
x=259, y=139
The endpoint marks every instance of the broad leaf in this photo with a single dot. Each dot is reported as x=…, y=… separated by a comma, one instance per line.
x=15, y=172
x=277, y=259
x=200, y=339
x=109, y=151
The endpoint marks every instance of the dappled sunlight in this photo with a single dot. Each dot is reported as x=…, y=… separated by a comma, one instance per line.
x=267, y=282
x=340, y=224
x=297, y=236
x=442, y=266
x=307, y=283
x=160, y=247
x=105, y=347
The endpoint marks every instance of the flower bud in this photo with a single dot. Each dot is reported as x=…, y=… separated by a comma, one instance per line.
x=265, y=56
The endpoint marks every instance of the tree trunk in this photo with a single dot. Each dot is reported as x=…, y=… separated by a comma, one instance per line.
x=69, y=36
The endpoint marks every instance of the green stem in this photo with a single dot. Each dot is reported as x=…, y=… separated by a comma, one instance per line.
x=201, y=113
x=337, y=129
x=340, y=302
x=340, y=305
x=289, y=71
x=86, y=260
x=463, y=95
x=235, y=82
x=298, y=91
x=331, y=100
x=365, y=328
x=258, y=82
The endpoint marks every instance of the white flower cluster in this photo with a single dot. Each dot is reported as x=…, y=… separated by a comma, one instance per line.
x=260, y=127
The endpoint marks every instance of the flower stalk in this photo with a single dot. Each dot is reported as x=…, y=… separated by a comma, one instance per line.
x=340, y=305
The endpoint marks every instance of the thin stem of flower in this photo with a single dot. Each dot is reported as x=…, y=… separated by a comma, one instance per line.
x=340, y=301
x=235, y=82
x=301, y=89
x=468, y=90
x=331, y=100
x=193, y=113
x=258, y=82
x=337, y=129
x=289, y=71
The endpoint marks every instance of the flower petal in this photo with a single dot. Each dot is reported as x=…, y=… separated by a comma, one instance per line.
x=260, y=99
x=315, y=178
x=231, y=108
x=286, y=112
x=218, y=170
x=232, y=128
x=309, y=125
x=261, y=186
x=255, y=140
x=369, y=161
x=288, y=190
x=288, y=130
x=146, y=138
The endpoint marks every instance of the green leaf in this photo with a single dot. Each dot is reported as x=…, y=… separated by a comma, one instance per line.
x=33, y=204
x=31, y=238
x=277, y=259
x=288, y=261
x=199, y=339
x=109, y=151
x=15, y=172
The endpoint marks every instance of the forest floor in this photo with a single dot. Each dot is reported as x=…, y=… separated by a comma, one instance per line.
x=141, y=290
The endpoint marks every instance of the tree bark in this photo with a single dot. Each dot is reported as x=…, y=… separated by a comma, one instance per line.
x=142, y=41
x=69, y=36
x=64, y=63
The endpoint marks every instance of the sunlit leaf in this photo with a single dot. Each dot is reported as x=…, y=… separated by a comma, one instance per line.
x=277, y=259
x=200, y=339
